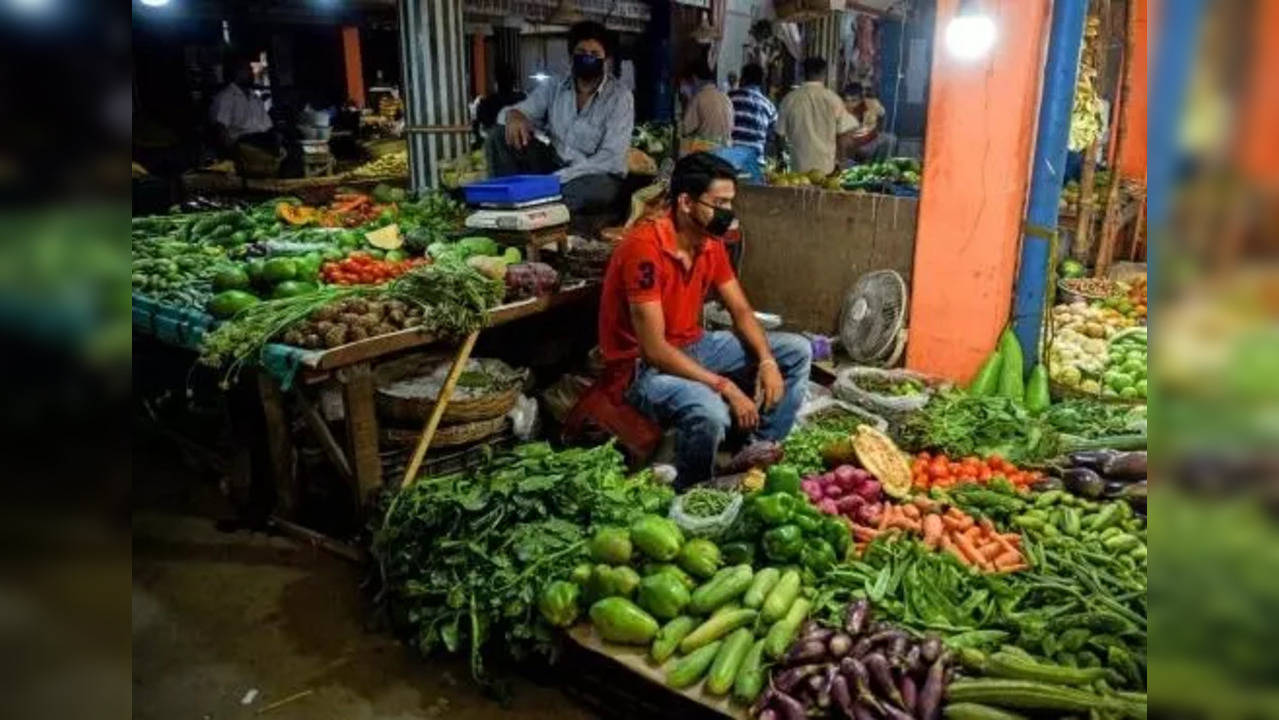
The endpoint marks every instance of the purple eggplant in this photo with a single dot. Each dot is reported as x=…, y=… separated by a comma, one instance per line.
x=816, y=634
x=808, y=651
x=768, y=714
x=1093, y=460
x=824, y=691
x=930, y=649
x=792, y=677
x=868, y=642
x=881, y=676
x=787, y=707
x=909, y=693
x=1128, y=465
x=839, y=645
x=842, y=696
x=913, y=663
x=1083, y=482
x=895, y=713
x=928, y=707
x=897, y=648
x=856, y=615
x=863, y=712
x=856, y=672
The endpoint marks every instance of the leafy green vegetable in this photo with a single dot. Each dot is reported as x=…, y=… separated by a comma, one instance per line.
x=465, y=557
x=1093, y=418
x=959, y=424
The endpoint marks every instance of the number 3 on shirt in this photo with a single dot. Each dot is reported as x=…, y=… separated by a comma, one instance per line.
x=647, y=275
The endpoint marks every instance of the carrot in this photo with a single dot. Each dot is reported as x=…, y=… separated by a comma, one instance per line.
x=933, y=529
x=910, y=511
x=955, y=513
x=970, y=531
x=925, y=504
x=864, y=534
x=883, y=518
x=991, y=550
x=1004, y=544
x=948, y=546
x=1007, y=559
x=986, y=525
x=966, y=547
x=1013, y=539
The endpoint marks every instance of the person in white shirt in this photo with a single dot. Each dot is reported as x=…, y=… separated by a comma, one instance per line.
x=238, y=114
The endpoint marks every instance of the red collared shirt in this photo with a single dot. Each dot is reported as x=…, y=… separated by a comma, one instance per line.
x=644, y=267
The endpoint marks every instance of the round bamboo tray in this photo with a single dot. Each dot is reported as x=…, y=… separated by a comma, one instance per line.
x=484, y=407
x=447, y=435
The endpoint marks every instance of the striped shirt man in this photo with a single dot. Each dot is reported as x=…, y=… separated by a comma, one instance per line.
x=753, y=116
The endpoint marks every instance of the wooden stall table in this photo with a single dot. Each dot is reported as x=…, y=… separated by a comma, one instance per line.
x=356, y=456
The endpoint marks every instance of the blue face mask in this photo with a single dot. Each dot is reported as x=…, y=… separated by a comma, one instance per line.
x=587, y=66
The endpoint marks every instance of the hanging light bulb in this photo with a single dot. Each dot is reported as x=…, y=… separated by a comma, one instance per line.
x=971, y=33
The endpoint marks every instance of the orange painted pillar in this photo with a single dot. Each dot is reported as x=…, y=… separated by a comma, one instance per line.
x=1132, y=154
x=1257, y=145
x=354, y=66
x=977, y=149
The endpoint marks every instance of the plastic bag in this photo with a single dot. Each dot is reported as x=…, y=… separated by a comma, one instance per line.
x=706, y=527
x=523, y=417
x=824, y=406
x=850, y=387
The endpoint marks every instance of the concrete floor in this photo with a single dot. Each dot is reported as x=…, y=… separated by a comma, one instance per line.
x=227, y=623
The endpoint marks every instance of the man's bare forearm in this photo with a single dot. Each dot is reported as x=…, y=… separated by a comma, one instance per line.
x=673, y=361
x=748, y=328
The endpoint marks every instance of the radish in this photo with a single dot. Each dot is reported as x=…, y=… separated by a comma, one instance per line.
x=827, y=505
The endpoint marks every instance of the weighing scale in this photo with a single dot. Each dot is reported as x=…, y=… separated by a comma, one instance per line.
x=524, y=219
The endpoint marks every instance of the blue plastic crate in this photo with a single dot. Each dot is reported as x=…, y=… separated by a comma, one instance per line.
x=512, y=190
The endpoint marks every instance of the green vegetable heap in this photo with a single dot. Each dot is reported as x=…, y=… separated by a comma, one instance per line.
x=466, y=558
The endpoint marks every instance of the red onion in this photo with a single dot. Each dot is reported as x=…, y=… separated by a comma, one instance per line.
x=850, y=503
x=810, y=485
x=871, y=490
x=845, y=475
x=833, y=491
x=828, y=506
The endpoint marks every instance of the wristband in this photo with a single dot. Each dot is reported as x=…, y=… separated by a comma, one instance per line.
x=768, y=361
x=720, y=383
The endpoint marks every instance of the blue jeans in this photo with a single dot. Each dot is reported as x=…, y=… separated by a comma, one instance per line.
x=700, y=416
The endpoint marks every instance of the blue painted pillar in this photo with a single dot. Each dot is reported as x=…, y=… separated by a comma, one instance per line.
x=1047, y=173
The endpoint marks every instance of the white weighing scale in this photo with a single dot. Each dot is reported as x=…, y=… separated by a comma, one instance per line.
x=519, y=219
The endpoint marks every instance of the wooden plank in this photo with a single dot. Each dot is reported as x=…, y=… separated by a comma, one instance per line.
x=379, y=345
x=279, y=444
x=636, y=659
x=322, y=433
x=806, y=247
x=361, y=432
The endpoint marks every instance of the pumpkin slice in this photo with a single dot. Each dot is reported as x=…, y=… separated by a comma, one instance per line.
x=385, y=238
x=880, y=455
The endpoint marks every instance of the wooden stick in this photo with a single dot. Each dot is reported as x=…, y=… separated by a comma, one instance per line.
x=1138, y=226
x=437, y=412
x=285, y=701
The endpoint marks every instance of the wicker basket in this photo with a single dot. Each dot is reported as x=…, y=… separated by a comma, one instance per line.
x=255, y=162
x=395, y=408
x=446, y=435
x=1065, y=392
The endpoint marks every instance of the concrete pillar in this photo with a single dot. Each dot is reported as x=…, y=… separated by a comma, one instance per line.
x=433, y=54
x=352, y=64
x=977, y=150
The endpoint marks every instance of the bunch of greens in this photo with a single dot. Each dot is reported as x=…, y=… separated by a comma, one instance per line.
x=463, y=557
x=803, y=447
x=1093, y=418
x=429, y=219
x=455, y=296
x=706, y=502
x=960, y=424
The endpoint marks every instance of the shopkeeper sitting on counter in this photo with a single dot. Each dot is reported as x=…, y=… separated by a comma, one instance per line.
x=587, y=118
x=237, y=113
x=702, y=383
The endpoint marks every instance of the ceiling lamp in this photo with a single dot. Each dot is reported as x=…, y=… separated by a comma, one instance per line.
x=971, y=33
x=566, y=14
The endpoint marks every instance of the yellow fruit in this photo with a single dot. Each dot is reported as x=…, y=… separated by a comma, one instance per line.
x=880, y=455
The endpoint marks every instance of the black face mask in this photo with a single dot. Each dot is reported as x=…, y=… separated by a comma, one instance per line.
x=587, y=66
x=721, y=221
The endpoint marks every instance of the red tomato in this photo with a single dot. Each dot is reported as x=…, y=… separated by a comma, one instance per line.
x=939, y=468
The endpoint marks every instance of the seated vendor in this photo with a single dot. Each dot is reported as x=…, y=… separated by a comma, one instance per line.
x=702, y=383
x=237, y=114
x=587, y=118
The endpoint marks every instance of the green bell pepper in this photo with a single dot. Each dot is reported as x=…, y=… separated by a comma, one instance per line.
x=657, y=537
x=699, y=557
x=558, y=603
x=738, y=553
x=783, y=479
x=663, y=595
x=806, y=522
x=835, y=531
x=783, y=543
x=817, y=556
x=775, y=508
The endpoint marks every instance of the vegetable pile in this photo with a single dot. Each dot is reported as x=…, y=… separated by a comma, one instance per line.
x=466, y=558
x=930, y=471
x=960, y=424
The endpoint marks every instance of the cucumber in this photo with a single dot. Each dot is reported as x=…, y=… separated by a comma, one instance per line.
x=763, y=582
x=1027, y=695
x=726, y=607
x=728, y=660
x=668, y=637
x=750, y=676
x=716, y=628
x=690, y=668
x=727, y=584
x=977, y=711
x=780, y=598
x=782, y=633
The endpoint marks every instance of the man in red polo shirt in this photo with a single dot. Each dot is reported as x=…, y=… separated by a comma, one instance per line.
x=702, y=383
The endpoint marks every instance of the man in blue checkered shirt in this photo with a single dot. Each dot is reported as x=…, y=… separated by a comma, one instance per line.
x=753, y=113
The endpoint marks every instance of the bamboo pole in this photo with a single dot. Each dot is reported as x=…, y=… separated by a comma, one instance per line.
x=437, y=412
x=1110, y=224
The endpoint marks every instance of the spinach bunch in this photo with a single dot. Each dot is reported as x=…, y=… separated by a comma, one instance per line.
x=464, y=556
x=960, y=424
